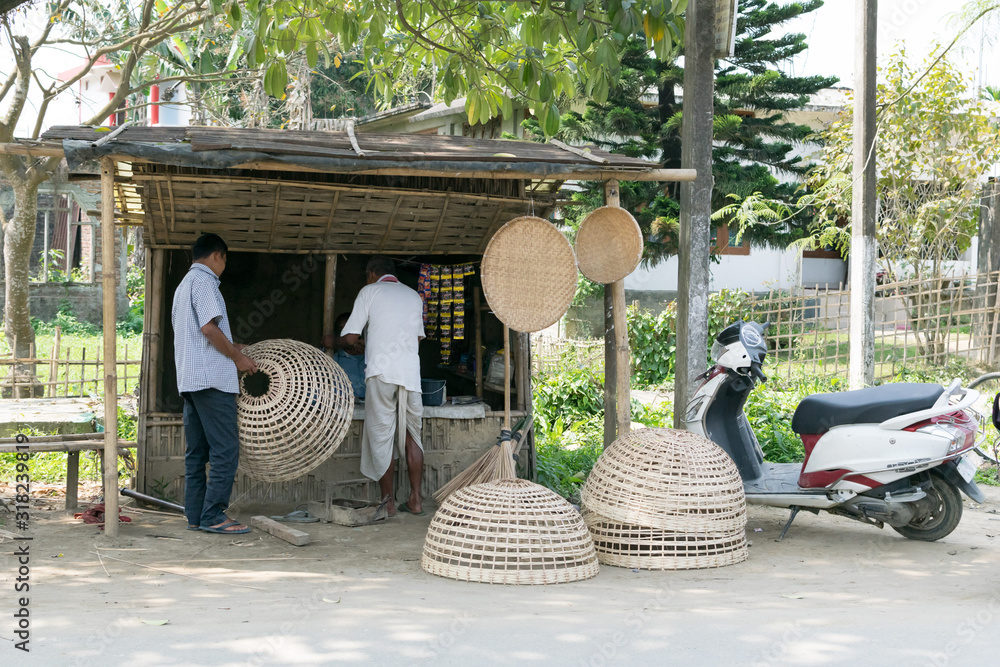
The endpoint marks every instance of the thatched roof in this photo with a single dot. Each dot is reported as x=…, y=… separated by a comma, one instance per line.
x=292, y=191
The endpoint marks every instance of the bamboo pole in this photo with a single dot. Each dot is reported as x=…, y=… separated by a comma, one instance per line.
x=622, y=375
x=477, y=306
x=329, y=295
x=54, y=363
x=109, y=283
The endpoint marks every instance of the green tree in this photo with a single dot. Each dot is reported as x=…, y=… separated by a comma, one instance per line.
x=485, y=51
x=126, y=33
x=753, y=156
x=935, y=143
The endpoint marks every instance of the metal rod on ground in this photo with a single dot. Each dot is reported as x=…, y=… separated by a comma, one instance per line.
x=151, y=500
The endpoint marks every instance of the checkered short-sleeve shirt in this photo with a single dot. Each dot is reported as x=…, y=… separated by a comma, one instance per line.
x=198, y=301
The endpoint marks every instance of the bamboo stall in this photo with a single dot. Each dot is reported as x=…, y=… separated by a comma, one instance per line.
x=301, y=211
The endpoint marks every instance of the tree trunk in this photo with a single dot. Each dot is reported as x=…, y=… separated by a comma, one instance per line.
x=19, y=239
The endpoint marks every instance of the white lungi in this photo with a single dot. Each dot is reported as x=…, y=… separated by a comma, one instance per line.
x=378, y=443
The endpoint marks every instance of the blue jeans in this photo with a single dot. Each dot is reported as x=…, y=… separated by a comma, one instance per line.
x=212, y=437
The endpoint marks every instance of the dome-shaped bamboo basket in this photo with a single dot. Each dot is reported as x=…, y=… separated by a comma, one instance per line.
x=667, y=479
x=529, y=274
x=608, y=245
x=301, y=418
x=629, y=546
x=510, y=531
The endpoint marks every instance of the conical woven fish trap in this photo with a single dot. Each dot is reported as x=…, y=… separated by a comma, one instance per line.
x=293, y=412
x=608, y=245
x=667, y=479
x=529, y=274
x=510, y=531
x=655, y=549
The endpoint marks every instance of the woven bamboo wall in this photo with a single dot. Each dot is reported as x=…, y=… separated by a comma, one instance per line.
x=450, y=446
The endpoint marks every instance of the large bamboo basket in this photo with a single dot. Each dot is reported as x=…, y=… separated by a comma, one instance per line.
x=608, y=245
x=510, y=531
x=301, y=418
x=529, y=274
x=670, y=480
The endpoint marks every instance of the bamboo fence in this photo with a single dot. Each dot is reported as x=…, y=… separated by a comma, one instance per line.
x=62, y=373
x=930, y=322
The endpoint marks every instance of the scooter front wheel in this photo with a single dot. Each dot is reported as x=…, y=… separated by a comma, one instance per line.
x=937, y=515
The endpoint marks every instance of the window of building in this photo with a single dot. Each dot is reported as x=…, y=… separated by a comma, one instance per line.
x=724, y=242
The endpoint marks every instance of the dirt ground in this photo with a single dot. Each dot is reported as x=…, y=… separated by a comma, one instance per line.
x=834, y=592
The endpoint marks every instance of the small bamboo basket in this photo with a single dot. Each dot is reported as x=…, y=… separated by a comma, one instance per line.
x=293, y=413
x=529, y=274
x=510, y=531
x=608, y=245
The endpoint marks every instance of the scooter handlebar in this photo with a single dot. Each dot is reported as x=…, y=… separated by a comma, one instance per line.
x=757, y=373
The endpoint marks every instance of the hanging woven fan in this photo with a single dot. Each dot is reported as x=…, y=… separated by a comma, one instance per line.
x=608, y=245
x=529, y=274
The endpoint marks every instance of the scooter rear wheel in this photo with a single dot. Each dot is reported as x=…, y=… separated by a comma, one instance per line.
x=941, y=511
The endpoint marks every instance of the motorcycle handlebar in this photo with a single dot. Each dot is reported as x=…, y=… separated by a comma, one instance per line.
x=757, y=373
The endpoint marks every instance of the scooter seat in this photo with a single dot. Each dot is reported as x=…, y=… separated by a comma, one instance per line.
x=819, y=413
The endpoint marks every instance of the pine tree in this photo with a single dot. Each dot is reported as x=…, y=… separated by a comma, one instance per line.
x=754, y=142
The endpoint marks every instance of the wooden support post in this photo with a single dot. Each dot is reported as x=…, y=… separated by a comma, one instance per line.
x=522, y=370
x=329, y=288
x=621, y=377
x=696, y=203
x=72, y=479
x=863, y=240
x=610, y=374
x=478, y=307
x=109, y=284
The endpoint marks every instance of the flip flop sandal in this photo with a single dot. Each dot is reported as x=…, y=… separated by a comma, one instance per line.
x=298, y=516
x=222, y=528
x=193, y=527
x=403, y=508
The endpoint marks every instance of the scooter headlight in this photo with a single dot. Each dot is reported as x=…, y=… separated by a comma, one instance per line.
x=694, y=408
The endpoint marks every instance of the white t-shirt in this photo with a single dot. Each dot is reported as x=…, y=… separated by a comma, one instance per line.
x=394, y=316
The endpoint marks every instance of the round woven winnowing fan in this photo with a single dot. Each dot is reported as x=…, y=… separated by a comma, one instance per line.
x=510, y=531
x=608, y=245
x=529, y=274
x=293, y=412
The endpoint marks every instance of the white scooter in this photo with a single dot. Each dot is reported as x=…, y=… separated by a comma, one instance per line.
x=893, y=454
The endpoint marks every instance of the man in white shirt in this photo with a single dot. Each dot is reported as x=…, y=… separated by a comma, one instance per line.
x=393, y=316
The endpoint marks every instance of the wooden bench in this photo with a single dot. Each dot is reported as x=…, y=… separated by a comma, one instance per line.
x=72, y=444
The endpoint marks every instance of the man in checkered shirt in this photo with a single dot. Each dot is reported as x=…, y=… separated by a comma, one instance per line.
x=208, y=363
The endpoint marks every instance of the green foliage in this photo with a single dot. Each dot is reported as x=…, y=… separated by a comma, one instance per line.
x=571, y=396
x=935, y=143
x=135, y=282
x=753, y=155
x=65, y=319
x=487, y=51
x=653, y=337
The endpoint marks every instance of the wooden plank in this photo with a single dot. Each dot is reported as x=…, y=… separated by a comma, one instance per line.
x=477, y=307
x=72, y=479
x=78, y=446
x=287, y=533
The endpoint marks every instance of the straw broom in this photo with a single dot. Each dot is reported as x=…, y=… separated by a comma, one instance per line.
x=498, y=462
